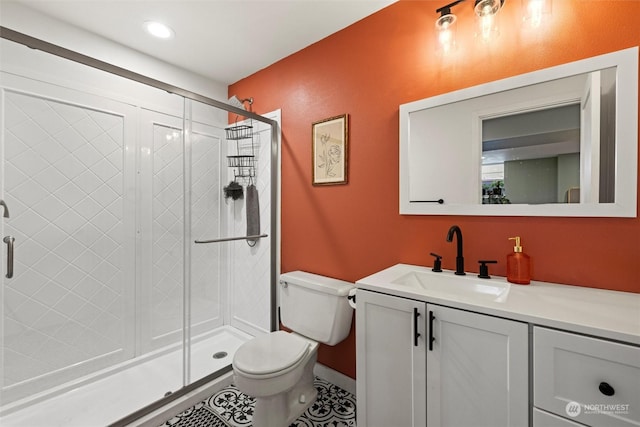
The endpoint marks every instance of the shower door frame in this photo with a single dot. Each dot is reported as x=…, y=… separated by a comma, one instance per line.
x=68, y=54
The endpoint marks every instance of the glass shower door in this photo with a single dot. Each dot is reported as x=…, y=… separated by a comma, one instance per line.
x=67, y=182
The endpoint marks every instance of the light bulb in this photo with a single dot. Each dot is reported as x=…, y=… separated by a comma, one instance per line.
x=445, y=39
x=486, y=27
x=445, y=28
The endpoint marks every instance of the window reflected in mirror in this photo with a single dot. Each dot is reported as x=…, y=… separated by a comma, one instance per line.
x=560, y=153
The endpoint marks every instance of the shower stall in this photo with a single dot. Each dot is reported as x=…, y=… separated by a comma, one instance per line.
x=120, y=249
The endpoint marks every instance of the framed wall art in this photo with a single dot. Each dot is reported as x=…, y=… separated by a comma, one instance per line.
x=330, y=149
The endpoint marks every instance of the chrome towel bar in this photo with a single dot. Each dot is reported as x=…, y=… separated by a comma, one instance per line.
x=228, y=239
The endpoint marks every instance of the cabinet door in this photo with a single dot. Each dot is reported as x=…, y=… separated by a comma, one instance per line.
x=391, y=361
x=477, y=370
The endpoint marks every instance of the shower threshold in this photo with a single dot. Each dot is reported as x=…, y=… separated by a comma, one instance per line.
x=110, y=398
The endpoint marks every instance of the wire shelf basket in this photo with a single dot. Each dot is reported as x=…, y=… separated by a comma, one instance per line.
x=240, y=161
x=237, y=132
x=243, y=161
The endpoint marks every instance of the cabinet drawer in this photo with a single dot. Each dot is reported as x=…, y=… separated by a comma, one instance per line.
x=602, y=377
x=545, y=419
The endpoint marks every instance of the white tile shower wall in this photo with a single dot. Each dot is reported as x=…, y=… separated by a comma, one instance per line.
x=167, y=228
x=73, y=184
x=250, y=267
x=206, y=221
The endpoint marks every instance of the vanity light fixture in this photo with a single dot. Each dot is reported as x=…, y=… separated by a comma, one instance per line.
x=159, y=30
x=486, y=12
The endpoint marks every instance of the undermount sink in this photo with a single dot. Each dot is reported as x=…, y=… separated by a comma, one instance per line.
x=452, y=285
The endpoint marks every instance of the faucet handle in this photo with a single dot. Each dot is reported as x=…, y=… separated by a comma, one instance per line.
x=437, y=263
x=484, y=268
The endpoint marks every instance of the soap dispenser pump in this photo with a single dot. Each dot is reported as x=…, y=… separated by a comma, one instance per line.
x=518, y=265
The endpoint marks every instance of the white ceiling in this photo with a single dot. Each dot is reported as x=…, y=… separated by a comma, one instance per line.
x=224, y=40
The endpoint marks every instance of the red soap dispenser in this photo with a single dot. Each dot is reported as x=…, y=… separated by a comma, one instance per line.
x=518, y=265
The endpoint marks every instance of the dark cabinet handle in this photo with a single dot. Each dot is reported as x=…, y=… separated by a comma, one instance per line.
x=606, y=389
x=431, y=338
x=416, y=334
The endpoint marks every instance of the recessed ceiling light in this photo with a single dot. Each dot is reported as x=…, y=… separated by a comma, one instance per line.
x=158, y=29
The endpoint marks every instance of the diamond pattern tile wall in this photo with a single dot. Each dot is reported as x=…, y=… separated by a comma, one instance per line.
x=167, y=231
x=206, y=195
x=64, y=180
x=250, y=287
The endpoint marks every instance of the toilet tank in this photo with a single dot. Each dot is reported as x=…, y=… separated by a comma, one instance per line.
x=315, y=306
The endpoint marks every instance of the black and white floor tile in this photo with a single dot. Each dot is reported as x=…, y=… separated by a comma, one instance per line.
x=334, y=407
x=197, y=416
x=233, y=405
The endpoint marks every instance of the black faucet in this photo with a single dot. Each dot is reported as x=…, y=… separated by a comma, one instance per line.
x=459, y=258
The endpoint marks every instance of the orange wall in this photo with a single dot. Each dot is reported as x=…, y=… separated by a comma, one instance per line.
x=367, y=70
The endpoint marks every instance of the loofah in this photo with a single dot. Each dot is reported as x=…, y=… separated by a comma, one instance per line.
x=233, y=190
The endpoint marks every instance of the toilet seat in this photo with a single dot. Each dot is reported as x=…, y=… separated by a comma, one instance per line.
x=270, y=355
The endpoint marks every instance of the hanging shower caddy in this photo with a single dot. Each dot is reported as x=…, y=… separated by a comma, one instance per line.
x=243, y=163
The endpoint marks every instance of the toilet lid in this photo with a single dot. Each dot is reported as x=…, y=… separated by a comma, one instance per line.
x=270, y=353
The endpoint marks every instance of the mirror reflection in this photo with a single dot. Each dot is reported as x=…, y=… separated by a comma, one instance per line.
x=542, y=155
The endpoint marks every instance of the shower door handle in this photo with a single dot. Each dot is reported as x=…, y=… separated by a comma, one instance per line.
x=9, y=241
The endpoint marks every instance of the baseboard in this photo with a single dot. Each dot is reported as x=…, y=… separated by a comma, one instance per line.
x=334, y=377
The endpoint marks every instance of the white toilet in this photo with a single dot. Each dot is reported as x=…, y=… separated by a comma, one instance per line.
x=277, y=368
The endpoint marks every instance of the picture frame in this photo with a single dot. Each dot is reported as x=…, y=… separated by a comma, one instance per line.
x=330, y=150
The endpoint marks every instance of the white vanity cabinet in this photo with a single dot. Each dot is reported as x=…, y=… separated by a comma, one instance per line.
x=592, y=381
x=423, y=364
x=439, y=349
x=390, y=361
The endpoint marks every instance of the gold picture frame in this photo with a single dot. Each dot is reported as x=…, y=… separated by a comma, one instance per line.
x=330, y=151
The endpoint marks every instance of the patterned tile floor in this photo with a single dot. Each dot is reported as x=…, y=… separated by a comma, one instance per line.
x=334, y=407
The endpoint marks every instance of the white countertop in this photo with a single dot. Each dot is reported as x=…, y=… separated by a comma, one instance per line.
x=602, y=313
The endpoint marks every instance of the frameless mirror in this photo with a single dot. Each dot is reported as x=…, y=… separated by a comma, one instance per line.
x=556, y=142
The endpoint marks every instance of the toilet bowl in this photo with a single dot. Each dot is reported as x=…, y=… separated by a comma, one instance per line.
x=277, y=368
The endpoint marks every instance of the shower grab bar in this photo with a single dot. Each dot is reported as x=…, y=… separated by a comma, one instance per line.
x=229, y=239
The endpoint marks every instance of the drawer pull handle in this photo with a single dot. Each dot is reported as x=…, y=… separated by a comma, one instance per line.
x=606, y=389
